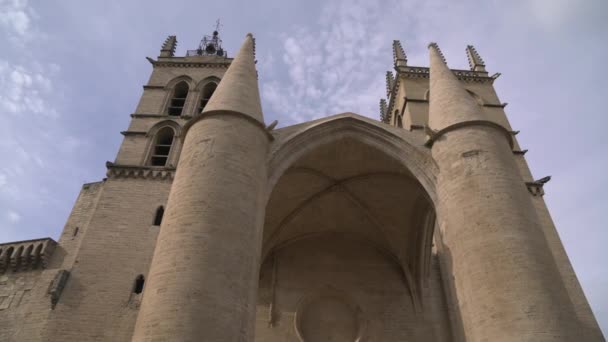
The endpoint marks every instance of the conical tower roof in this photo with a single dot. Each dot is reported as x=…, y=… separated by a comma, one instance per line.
x=238, y=90
x=450, y=103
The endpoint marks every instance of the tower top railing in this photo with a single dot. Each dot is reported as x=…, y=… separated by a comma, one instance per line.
x=201, y=52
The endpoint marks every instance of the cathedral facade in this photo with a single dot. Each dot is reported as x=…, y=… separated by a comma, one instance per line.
x=213, y=225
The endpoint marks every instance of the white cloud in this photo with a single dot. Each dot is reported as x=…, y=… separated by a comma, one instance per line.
x=323, y=68
x=15, y=16
x=2, y=180
x=13, y=216
x=25, y=90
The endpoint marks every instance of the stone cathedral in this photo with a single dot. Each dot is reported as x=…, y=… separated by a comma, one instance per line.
x=213, y=225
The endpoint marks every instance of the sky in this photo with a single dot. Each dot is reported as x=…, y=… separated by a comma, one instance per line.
x=72, y=71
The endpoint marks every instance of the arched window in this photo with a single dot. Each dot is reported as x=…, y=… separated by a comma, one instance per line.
x=138, y=285
x=180, y=92
x=158, y=217
x=208, y=90
x=162, y=147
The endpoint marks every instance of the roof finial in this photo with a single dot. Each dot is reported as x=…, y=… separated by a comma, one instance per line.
x=384, y=117
x=475, y=61
x=399, y=56
x=390, y=83
x=168, y=48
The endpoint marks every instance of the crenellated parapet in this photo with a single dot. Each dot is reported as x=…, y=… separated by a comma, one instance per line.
x=26, y=255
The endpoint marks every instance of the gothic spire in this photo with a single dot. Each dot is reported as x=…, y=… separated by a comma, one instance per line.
x=450, y=103
x=168, y=48
x=383, y=111
x=475, y=61
x=238, y=90
x=399, y=56
x=390, y=83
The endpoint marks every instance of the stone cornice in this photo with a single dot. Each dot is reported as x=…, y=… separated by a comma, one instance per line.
x=167, y=116
x=137, y=171
x=188, y=64
x=463, y=75
x=127, y=133
x=153, y=87
x=491, y=105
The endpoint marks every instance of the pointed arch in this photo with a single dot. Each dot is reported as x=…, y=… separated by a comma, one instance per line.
x=178, y=99
x=205, y=89
x=162, y=130
x=413, y=169
x=177, y=91
x=370, y=132
x=161, y=149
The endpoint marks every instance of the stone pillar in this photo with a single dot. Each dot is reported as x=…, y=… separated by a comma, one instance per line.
x=204, y=274
x=507, y=283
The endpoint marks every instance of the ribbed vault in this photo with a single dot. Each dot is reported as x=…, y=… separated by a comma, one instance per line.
x=349, y=188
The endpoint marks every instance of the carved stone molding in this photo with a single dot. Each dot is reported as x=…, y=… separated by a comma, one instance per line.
x=26, y=255
x=143, y=172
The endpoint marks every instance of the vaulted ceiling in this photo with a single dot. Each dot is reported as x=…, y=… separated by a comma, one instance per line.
x=348, y=187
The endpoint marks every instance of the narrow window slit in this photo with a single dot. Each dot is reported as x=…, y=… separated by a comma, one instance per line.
x=158, y=218
x=138, y=285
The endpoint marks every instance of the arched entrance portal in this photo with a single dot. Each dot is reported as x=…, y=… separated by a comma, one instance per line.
x=347, y=246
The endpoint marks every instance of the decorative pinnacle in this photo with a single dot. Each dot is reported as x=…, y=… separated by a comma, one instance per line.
x=383, y=111
x=399, y=56
x=390, y=83
x=436, y=47
x=168, y=48
x=475, y=61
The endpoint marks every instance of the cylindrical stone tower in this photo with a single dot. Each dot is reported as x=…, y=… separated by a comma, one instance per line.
x=507, y=283
x=204, y=273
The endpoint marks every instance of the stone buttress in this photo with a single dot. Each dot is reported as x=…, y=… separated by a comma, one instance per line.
x=506, y=280
x=203, y=279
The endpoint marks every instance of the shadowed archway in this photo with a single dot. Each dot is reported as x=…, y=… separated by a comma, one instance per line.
x=348, y=208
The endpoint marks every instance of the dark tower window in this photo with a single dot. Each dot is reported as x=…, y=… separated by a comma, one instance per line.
x=208, y=90
x=158, y=218
x=176, y=106
x=138, y=285
x=162, y=147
